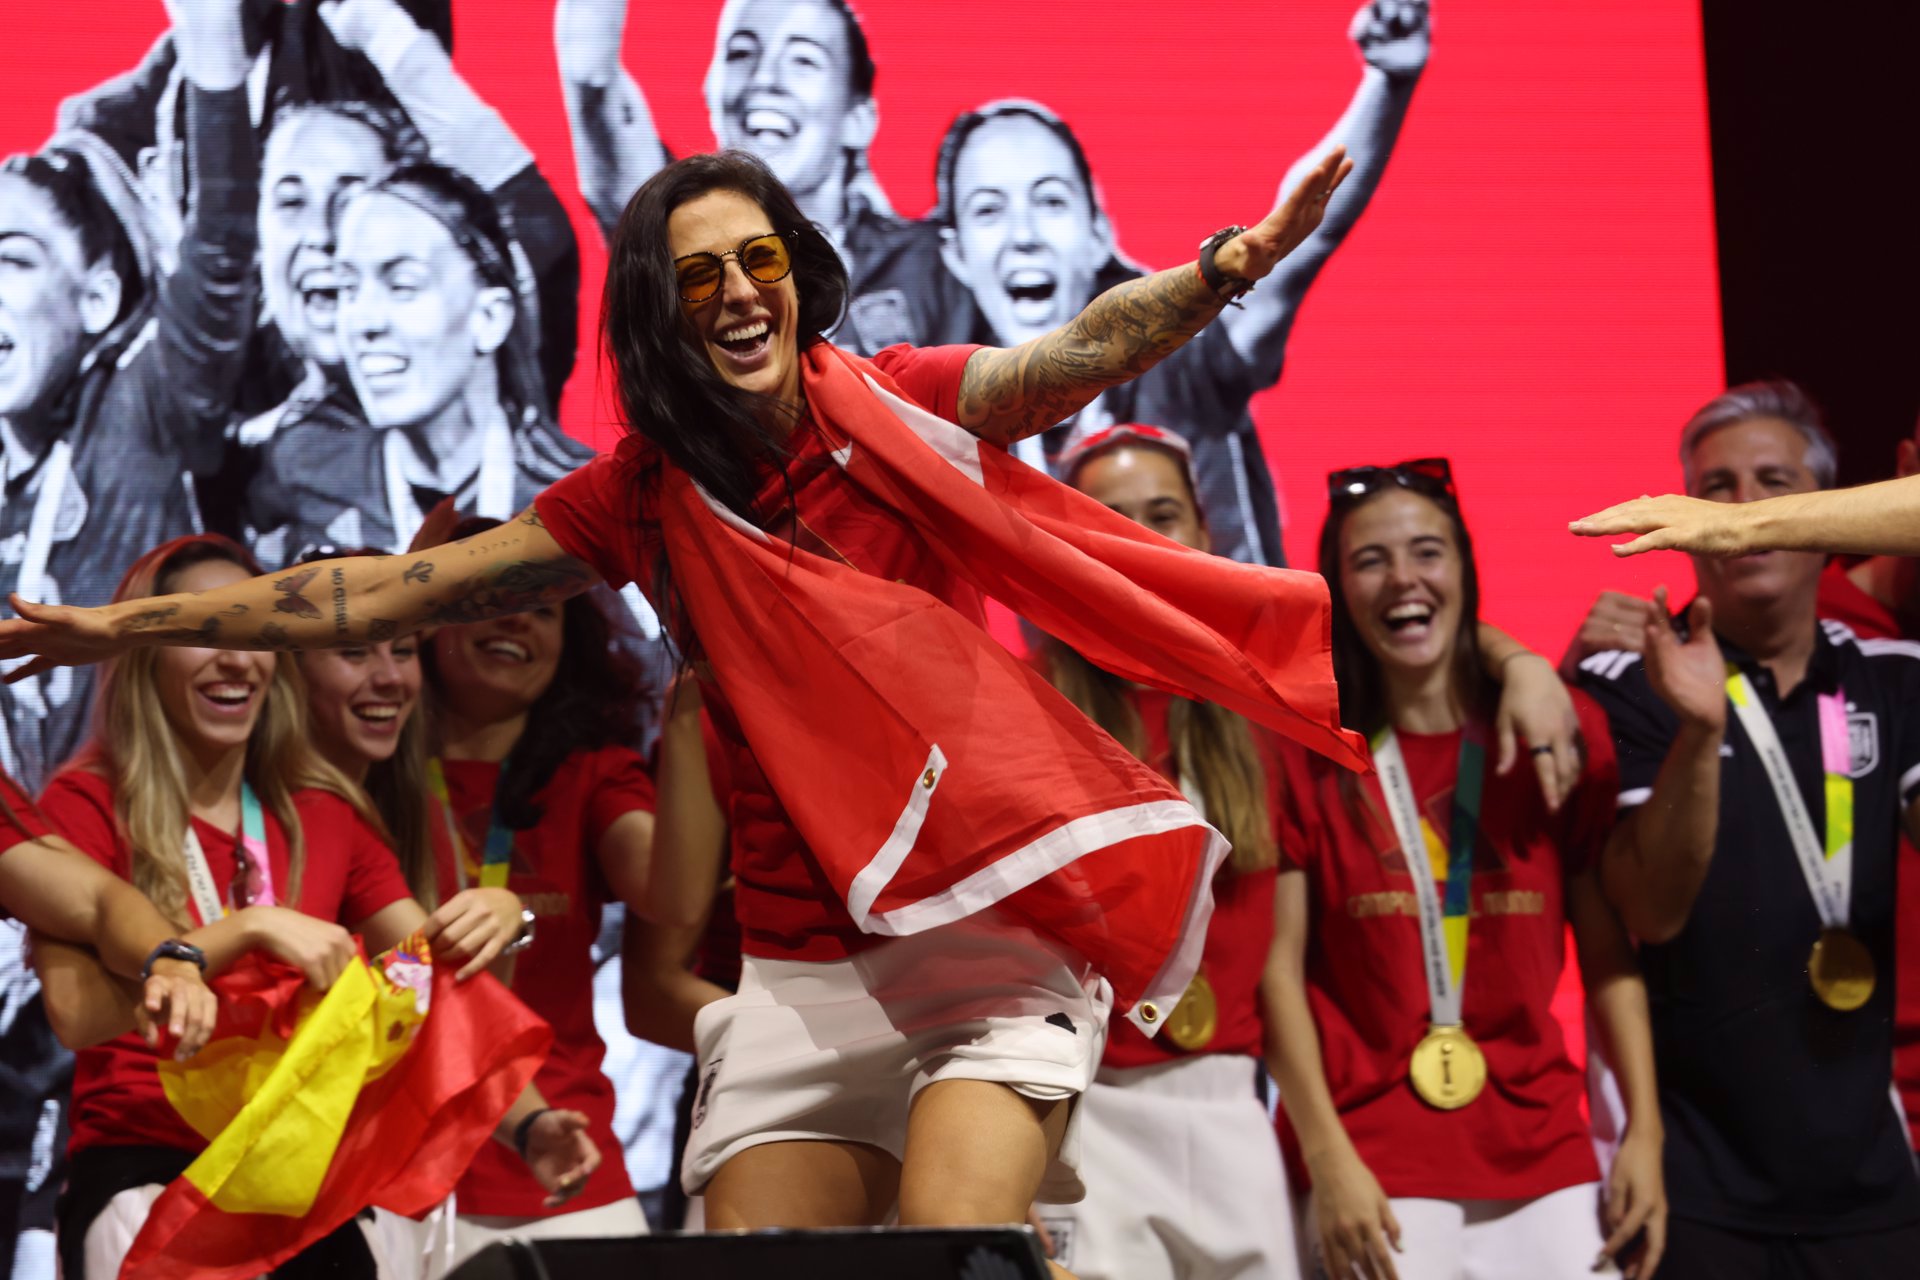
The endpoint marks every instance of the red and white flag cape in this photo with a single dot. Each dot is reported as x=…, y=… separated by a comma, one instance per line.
x=931, y=772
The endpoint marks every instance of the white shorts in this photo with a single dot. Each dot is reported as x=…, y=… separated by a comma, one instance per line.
x=1552, y=1237
x=1184, y=1178
x=837, y=1050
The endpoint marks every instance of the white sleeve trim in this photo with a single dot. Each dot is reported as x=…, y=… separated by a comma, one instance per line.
x=1890, y=648
x=1908, y=782
x=1633, y=797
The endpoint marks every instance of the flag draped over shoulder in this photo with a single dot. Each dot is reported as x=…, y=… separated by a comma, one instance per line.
x=931, y=772
x=315, y=1106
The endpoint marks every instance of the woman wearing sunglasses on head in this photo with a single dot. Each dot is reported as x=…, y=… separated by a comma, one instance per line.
x=818, y=530
x=1196, y=1086
x=201, y=788
x=1420, y=929
x=532, y=790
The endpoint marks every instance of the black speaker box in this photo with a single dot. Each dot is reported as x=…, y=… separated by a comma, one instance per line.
x=912, y=1253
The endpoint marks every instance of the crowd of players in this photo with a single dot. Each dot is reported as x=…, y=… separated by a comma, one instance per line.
x=291, y=281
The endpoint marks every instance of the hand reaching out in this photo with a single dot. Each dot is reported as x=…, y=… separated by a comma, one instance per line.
x=474, y=926
x=1394, y=36
x=1674, y=523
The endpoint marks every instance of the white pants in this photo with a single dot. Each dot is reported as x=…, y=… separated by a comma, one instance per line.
x=1551, y=1237
x=473, y=1232
x=110, y=1236
x=1183, y=1175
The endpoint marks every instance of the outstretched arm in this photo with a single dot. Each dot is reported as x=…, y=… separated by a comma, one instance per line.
x=1394, y=38
x=616, y=145
x=1874, y=520
x=324, y=604
x=1007, y=394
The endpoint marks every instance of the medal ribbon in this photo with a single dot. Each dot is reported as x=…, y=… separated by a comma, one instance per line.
x=1826, y=859
x=252, y=883
x=497, y=859
x=1444, y=918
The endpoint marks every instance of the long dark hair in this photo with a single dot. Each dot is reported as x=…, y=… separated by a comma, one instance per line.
x=670, y=393
x=594, y=701
x=1363, y=686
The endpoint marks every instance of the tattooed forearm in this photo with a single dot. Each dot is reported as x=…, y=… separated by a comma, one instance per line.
x=151, y=619
x=418, y=571
x=1007, y=395
x=531, y=516
x=291, y=601
x=340, y=623
x=511, y=588
x=274, y=636
x=382, y=629
x=233, y=611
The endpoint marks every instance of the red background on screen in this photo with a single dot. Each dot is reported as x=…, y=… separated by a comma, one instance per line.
x=1532, y=291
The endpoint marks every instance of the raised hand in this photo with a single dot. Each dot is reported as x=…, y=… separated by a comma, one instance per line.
x=1674, y=523
x=210, y=41
x=561, y=1155
x=1689, y=676
x=1255, y=252
x=586, y=36
x=1394, y=36
x=355, y=22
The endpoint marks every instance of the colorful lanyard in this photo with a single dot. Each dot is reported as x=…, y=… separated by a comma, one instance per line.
x=497, y=860
x=1825, y=860
x=1444, y=921
x=252, y=883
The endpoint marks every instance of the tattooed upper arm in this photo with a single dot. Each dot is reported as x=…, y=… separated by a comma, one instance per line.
x=1009, y=394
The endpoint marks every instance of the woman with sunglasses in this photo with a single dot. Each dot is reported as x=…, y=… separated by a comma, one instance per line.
x=1419, y=938
x=817, y=529
x=200, y=786
x=533, y=791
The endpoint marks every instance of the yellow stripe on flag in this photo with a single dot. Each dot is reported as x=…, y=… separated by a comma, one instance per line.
x=275, y=1111
x=1436, y=853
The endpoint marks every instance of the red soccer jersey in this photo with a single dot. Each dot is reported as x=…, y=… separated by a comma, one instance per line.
x=349, y=875
x=1524, y=1136
x=1238, y=937
x=1842, y=600
x=601, y=514
x=556, y=872
x=19, y=820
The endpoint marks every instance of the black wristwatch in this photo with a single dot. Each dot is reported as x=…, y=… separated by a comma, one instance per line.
x=174, y=949
x=1228, y=287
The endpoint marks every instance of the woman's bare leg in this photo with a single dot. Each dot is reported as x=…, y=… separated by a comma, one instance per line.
x=976, y=1152
x=803, y=1184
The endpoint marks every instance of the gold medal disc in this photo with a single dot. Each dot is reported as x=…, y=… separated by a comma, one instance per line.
x=1448, y=1070
x=1196, y=1017
x=1841, y=970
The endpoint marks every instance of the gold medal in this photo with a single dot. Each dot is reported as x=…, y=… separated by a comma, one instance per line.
x=1196, y=1017
x=1448, y=1070
x=1841, y=970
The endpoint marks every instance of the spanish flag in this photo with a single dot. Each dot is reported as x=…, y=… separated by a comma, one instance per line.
x=316, y=1106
